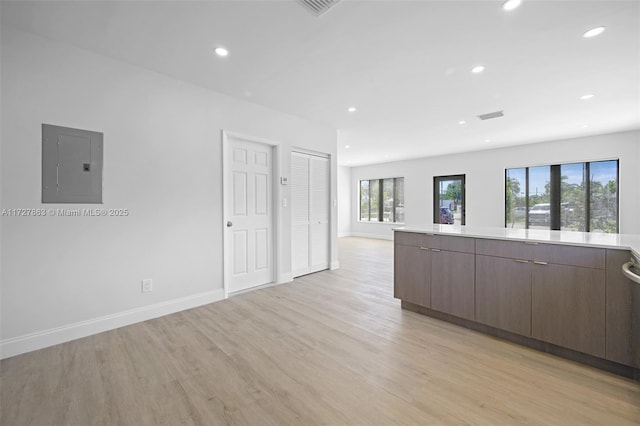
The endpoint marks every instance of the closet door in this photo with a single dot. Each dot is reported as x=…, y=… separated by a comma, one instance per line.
x=299, y=214
x=310, y=213
x=319, y=213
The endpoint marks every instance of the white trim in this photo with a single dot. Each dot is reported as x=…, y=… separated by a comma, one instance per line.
x=275, y=204
x=373, y=236
x=311, y=152
x=42, y=339
x=225, y=203
x=250, y=289
x=335, y=265
x=249, y=138
x=285, y=278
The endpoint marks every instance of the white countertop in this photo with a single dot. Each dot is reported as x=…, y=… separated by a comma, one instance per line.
x=590, y=239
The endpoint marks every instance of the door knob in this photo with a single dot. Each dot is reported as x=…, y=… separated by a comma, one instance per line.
x=229, y=224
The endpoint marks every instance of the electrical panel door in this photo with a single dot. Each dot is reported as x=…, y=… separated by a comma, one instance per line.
x=71, y=165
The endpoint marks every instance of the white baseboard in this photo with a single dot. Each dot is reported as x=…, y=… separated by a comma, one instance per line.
x=285, y=278
x=334, y=265
x=344, y=234
x=374, y=236
x=258, y=287
x=54, y=336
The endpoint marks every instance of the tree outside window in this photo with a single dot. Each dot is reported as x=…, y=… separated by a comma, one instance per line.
x=572, y=197
x=382, y=200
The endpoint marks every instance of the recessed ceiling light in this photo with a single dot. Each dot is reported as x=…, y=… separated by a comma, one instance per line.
x=347, y=146
x=511, y=4
x=587, y=96
x=352, y=109
x=221, y=51
x=593, y=32
x=487, y=140
x=584, y=126
x=461, y=122
x=477, y=69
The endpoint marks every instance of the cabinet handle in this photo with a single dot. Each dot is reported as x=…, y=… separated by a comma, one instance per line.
x=531, y=243
x=435, y=250
x=537, y=262
x=521, y=261
x=424, y=248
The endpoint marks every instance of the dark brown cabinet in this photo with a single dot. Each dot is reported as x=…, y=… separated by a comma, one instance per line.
x=567, y=307
x=574, y=297
x=586, y=257
x=550, y=292
x=503, y=293
x=568, y=297
x=411, y=282
x=622, y=312
x=452, y=283
x=506, y=249
x=453, y=275
x=436, y=272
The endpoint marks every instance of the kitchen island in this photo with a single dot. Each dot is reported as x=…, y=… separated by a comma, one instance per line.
x=556, y=291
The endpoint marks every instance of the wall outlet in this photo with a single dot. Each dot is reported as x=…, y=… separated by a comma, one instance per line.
x=147, y=285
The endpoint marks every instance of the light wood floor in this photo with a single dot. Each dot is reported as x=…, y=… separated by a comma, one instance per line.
x=330, y=348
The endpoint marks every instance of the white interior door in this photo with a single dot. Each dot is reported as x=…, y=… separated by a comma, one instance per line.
x=319, y=213
x=299, y=214
x=310, y=213
x=249, y=216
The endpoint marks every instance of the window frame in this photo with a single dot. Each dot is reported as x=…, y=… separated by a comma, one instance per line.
x=380, y=195
x=555, y=195
x=436, y=196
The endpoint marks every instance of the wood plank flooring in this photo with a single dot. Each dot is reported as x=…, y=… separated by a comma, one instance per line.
x=330, y=348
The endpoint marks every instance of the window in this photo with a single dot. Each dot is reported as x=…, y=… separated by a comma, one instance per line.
x=382, y=200
x=448, y=199
x=572, y=197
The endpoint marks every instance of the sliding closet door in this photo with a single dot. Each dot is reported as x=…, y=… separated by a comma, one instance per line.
x=310, y=213
x=319, y=214
x=299, y=214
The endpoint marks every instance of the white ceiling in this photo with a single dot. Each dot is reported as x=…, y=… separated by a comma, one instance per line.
x=405, y=65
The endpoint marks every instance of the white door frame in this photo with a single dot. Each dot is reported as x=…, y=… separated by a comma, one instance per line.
x=226, y=200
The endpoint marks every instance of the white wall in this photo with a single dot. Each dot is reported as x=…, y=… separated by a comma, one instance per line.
x=64, y=277
x=484, y=172
x=344, y=201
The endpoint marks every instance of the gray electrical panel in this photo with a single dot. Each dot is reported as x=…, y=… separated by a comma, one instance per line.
x=71, y=165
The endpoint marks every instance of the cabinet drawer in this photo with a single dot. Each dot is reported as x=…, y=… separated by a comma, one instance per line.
x=500, y=248
x=410, y=239
x=585, y=257
x=459, y=244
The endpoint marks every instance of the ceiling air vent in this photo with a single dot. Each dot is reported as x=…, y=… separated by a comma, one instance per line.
x=318, y=7
x=491, y=115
